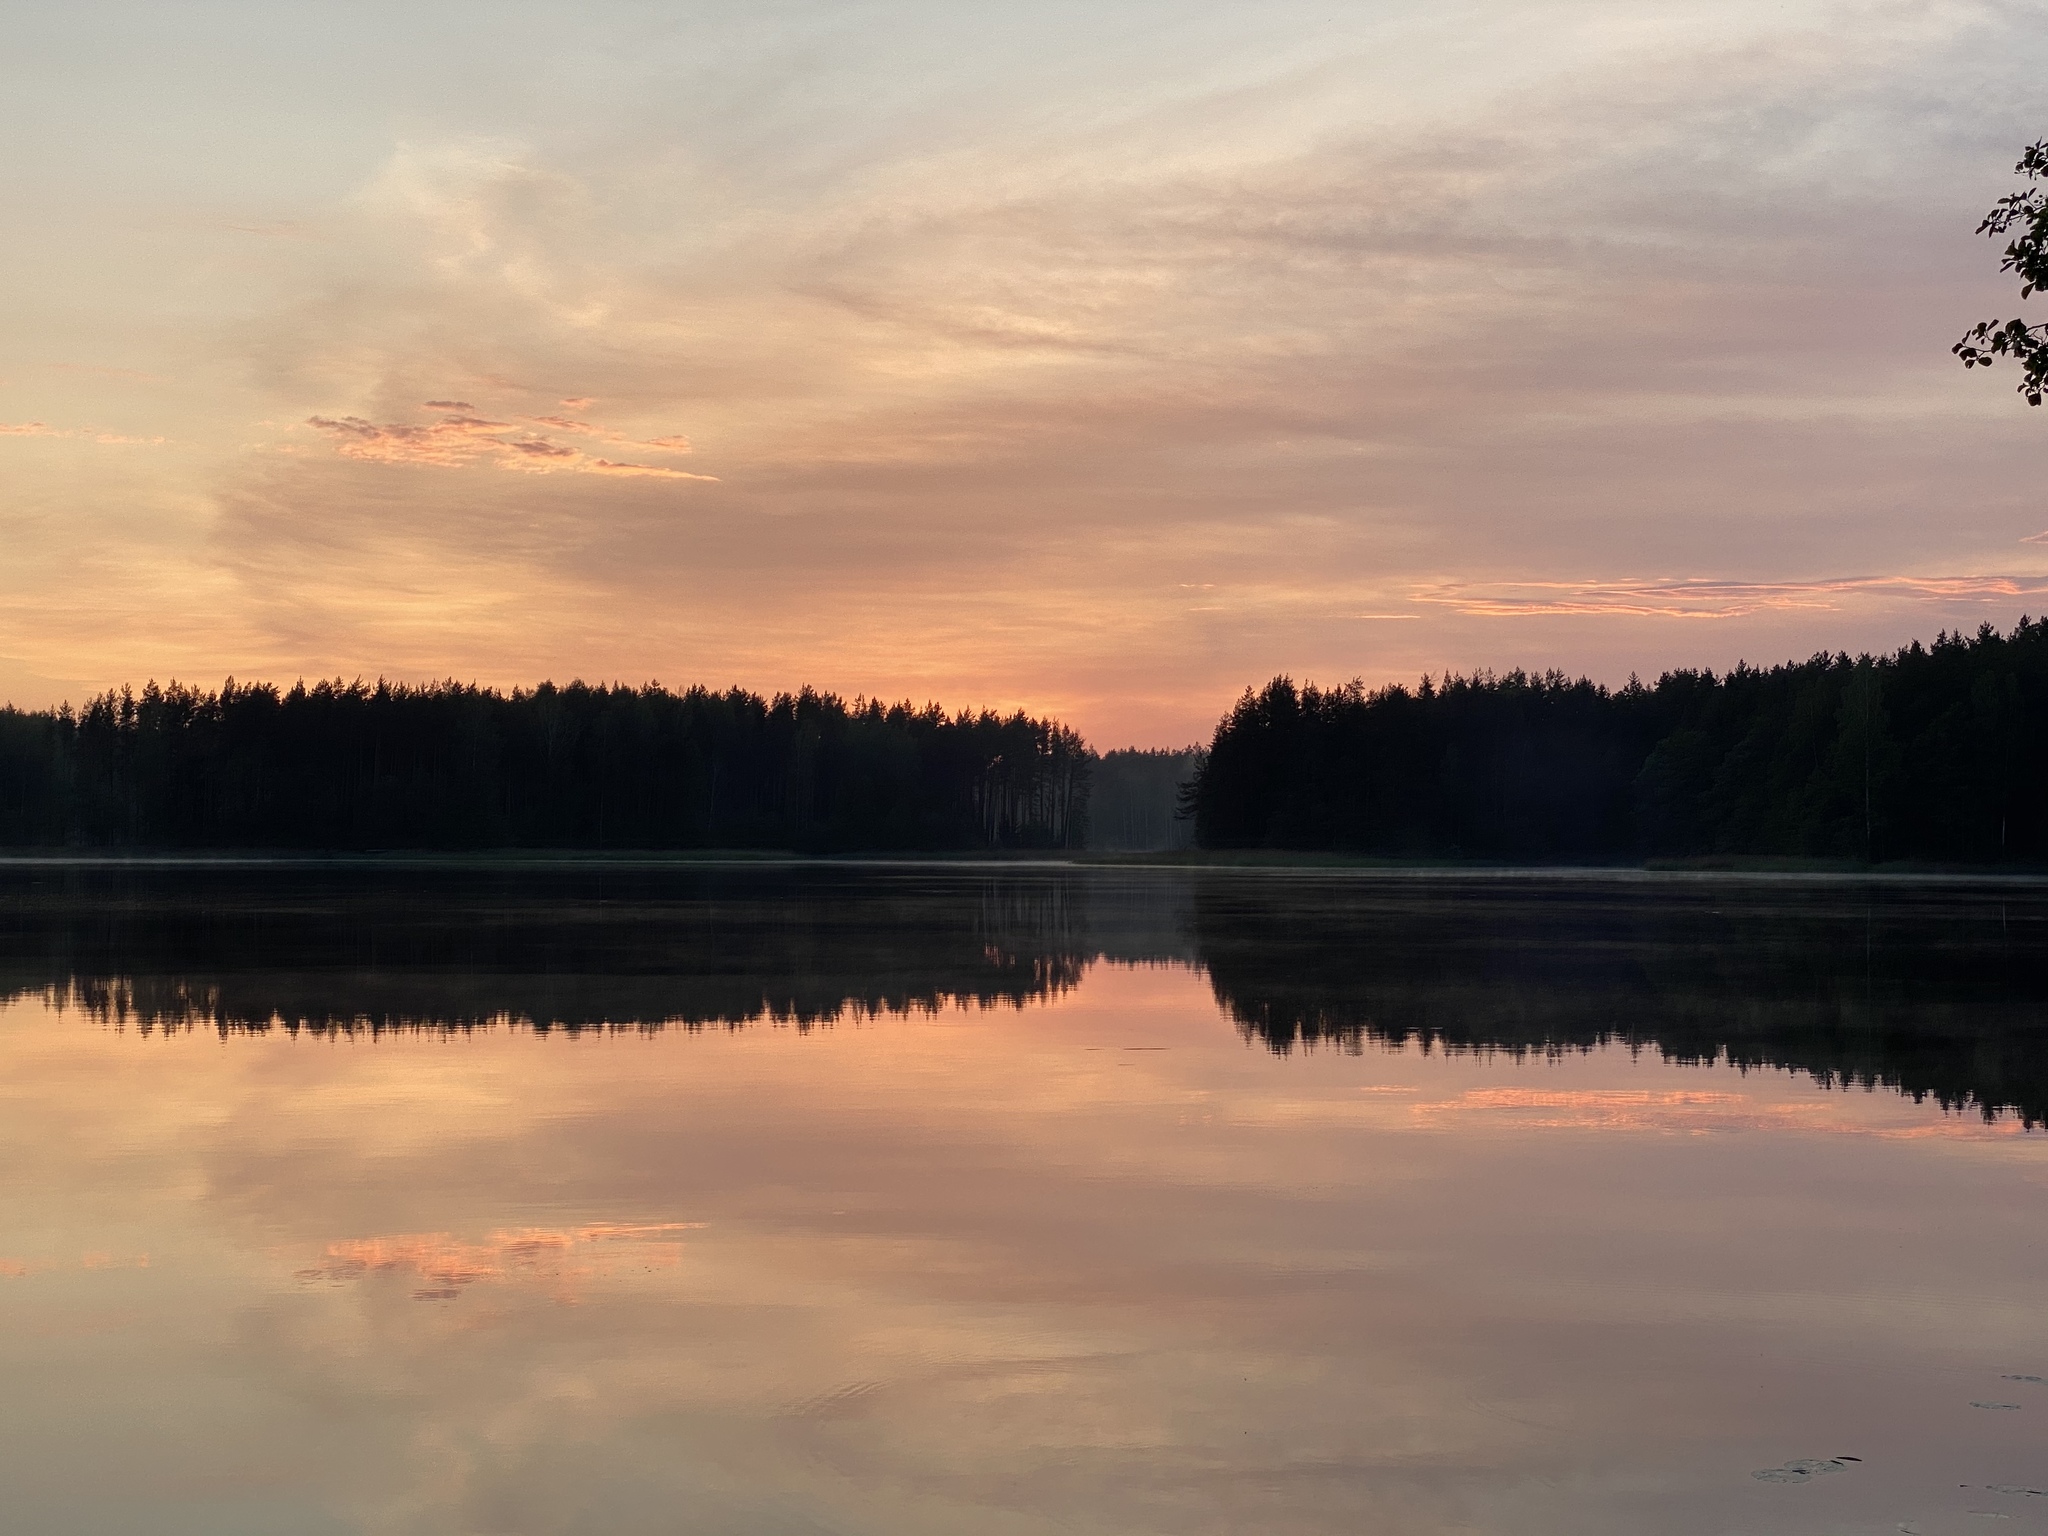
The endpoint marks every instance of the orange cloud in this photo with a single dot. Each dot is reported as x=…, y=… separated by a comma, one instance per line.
x=44, y=429
x=674, y=443
x=1705, y=599
x=461, y=438
x=607, y=467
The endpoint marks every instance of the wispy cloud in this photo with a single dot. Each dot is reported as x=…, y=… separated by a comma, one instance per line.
x=1707, y=599
x=460, y=438
x=673, y=442
x=78, y=434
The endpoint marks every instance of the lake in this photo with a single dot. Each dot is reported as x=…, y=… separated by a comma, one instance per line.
x=1018, y=1199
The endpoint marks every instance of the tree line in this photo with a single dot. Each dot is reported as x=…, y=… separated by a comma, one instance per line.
x=353, y=765
x=1933, y=753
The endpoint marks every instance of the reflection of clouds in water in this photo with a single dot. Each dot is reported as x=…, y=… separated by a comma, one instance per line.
x=21, y=1269
x=955, y=1277
x=851, y=1398
x=528, y=1255
x=1689, y=1112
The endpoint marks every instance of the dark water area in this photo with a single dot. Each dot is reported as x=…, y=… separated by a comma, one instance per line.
x=1019, y=1198
x=1938, y=991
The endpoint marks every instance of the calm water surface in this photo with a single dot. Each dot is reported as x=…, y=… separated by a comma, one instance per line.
x=901, y=1201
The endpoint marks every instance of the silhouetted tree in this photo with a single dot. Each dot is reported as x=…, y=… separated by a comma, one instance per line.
x=1930, y=753
x=449, y=765
x=2027, y=258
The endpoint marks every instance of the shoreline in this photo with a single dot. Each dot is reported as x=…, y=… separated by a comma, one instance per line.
x=1273, y=862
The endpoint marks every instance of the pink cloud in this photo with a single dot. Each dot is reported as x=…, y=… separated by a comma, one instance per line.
x=1705, y=599
x=459, y=439
x=450, y=442
x=648, y=471
x=673, y=443
x=82, y=434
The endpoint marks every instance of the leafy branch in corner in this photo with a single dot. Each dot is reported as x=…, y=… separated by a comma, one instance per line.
x=2026, y=256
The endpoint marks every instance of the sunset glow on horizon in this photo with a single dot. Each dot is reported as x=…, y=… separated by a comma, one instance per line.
x=1095, y=360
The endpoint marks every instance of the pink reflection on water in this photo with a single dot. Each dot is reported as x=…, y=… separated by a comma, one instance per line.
x=447, y=1265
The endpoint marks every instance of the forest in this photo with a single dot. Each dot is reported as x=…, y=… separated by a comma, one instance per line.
x=1134, y=800
x=1932, y=753
x=339, y=765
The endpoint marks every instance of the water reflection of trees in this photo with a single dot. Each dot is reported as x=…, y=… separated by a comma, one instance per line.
x=1936, y=994
x=362, y=952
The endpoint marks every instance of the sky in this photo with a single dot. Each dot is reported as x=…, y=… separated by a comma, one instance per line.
x=1096, y=359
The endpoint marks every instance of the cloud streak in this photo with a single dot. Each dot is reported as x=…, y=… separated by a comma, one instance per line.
x=76, y=434
x=459, y=439
x=1706, y=599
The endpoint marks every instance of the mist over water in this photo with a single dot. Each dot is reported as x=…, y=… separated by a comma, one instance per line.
x=880, y=1198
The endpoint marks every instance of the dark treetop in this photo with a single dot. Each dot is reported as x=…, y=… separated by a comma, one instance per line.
x=1933, y=753
x=351, y=766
